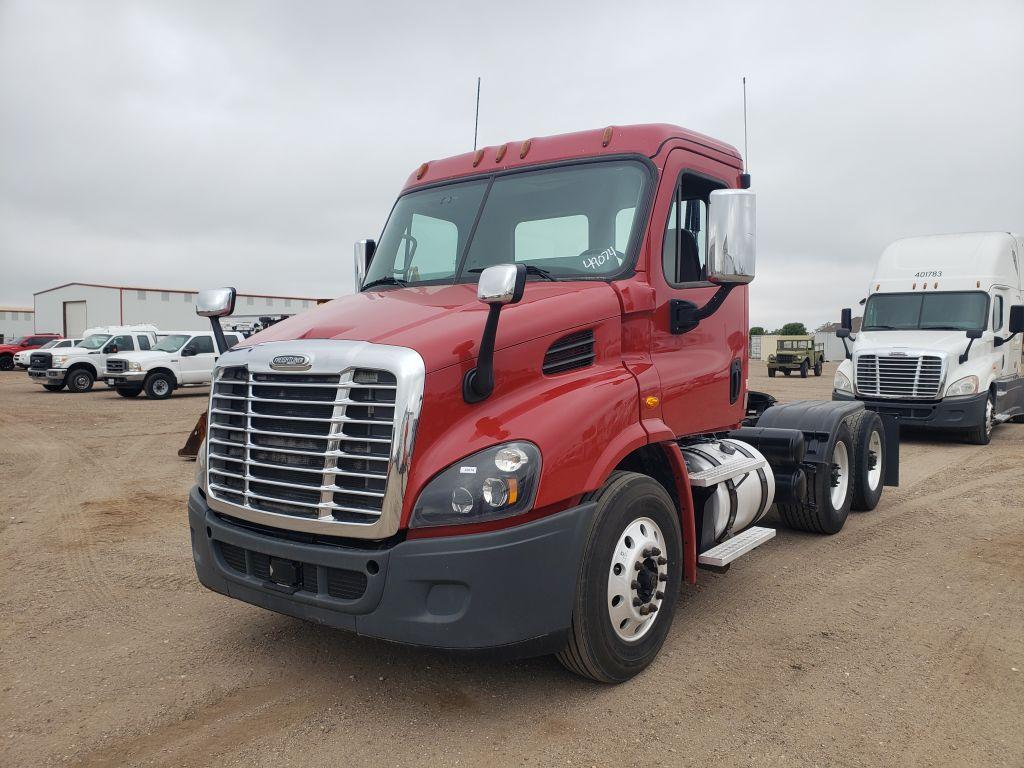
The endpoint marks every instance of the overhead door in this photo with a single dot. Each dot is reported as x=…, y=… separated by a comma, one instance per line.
x=75, y=318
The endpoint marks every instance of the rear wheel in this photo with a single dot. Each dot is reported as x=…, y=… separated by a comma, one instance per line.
x=53, y=387
x=129, y=391
x=159, y=386
x=982, y=433
x=868, y=460
x=80, y=380
x=804, y=367
x=6, y=362
x=833, y=490
x=817, y=368
x=786, y=371
x=628, y=582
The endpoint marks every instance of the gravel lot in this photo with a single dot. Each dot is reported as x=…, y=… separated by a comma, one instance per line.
x=899, y=641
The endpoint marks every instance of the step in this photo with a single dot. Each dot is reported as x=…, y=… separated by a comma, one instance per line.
x=716, y=475
x=736, y=547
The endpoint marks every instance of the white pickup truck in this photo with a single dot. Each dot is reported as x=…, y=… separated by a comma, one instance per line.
x=78, y=367
x=179, y=359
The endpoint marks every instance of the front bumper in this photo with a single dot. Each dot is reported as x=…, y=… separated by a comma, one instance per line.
x=951, y=413
x=510, y=590
x=123, y=379
x=49, y=375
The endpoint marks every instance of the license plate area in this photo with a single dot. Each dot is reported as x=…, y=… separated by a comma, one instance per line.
x=285, y=573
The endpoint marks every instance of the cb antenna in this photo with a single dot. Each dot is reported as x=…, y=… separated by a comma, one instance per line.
x=476, y=120
x=745, y=176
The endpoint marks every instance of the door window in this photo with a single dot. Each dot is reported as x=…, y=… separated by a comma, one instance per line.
x=203, y=345
x=143, y=342
x=685, y=248
x=123, y=344
x=997, y=313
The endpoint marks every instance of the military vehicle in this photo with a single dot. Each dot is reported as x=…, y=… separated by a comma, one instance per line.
x=800, y=354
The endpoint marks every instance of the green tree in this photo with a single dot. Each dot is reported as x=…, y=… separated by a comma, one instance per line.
x=757, y=330
x=792, y=329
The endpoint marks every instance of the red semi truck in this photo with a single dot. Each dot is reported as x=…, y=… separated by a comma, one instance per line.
x=530, y=424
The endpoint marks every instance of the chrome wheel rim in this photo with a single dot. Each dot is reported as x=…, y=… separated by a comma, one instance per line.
x=875, y=455
x=636, y=579
x=840, y=474
x=989, y=417
x=81, y=381
x=161, y=387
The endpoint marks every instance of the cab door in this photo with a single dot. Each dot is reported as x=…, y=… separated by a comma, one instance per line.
x=703, y=370
x=196, y=359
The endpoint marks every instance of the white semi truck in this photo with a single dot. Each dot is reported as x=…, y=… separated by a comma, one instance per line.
x=940, y=344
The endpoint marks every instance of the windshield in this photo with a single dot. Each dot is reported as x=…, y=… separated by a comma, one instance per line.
x=20, y=341
x=171, y=343
x=574, y=221
x=49, y=344
x=950, y=311
x=95, y=341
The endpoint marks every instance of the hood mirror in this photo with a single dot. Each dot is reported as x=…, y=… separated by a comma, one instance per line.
x=502, y=284
x=363, y=256
x=499, y=285
x=215, y=302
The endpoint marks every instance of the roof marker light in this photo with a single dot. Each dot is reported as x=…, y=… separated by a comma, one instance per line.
x=525, y=148
x=978, y=284
x=914, y=288
x=935, y=286
x=501, y=153
x=422, y=170
x=477, y=157
x=607, y=138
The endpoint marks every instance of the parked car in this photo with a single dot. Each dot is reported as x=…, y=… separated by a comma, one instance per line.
x=24, y=344
x=79, y=366
x=22, y=359
x=797, y=355
x=179, y=359
x=940, y=345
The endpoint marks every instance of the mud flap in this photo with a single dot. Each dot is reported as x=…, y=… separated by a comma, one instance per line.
x=891, y=428
x=195, y=440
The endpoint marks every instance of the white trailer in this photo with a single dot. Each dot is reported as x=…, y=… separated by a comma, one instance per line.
x=940, y=345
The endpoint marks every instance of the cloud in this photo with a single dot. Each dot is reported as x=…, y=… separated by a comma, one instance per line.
x=190, y=143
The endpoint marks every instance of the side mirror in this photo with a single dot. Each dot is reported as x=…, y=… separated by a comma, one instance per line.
x=215, y=302
x=112, y=349
x=499, y=285
x=363, y=256
x=731, y=237
x=502, y=284
x=188, y=351
x=972, y=334
x=846, y=319
x=1016, y=319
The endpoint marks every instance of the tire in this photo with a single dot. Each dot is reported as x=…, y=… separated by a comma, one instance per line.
x=80, y=380
x=6, y=362
x=982, y=433
x=804, y=367
x=818, y=367
x=53, y=387
x=159, y=386
x=786, y=371
x=833, y=507
x=868, y=460
x=771, y=373
x=598, y=646
x=129, y=391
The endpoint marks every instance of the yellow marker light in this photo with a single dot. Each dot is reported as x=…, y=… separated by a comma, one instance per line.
x=513, y=490
x=501, y=153
x=652, y=401
x=422, y=170
x=525, y=148
x=478, y=157
x=606, y=139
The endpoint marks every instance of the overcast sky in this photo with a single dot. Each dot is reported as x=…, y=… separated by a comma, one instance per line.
x=190, y=144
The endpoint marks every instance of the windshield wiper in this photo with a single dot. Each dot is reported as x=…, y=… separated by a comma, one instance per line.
x=879, y=328
x=942, y=328
x=386, y=281
x=530, y=270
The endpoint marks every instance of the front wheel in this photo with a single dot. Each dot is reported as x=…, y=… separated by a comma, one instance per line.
x=6, y=362
x=804, y=367
x=628, y=581
x=817, y=368
x=159, y=386
x=80, y=380
x=982, y=433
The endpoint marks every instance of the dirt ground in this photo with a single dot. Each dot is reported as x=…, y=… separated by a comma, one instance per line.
x=899, y=641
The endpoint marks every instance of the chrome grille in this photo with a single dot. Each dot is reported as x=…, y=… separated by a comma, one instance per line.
x=911, y=376
x=313, y=446
x=116, y=366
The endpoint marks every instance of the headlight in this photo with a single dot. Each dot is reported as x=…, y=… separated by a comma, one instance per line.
x=498, y=482
x=968, y=385
x=134, y=366
x=841, y=383
x=59, y=360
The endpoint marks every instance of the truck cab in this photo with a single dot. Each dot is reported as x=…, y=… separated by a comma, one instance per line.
x=526, y=430
x=79, y=367
x=178, y=359
x=940, y=343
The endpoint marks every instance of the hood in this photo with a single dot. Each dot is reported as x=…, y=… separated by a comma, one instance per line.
x=142, y=356
x=13, y=348
x=69, y=351
x=948, y=342
x=444, y=323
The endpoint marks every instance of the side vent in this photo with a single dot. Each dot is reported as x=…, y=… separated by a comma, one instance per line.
x=570, y=352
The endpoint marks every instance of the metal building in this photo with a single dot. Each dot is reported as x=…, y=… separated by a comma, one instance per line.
x=73, y=307
x=16, y=322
